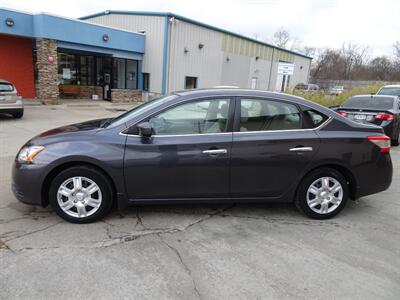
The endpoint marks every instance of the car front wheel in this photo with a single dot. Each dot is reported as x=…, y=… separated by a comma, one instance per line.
x=322, y=194
x=80, y=194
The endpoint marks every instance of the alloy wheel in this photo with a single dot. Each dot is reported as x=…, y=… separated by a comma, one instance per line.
x=324, y=195
x=79, y=197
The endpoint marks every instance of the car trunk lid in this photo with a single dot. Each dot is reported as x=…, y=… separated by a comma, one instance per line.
x=376, y=117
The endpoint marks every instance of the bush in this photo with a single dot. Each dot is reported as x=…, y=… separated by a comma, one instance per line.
x=327, y=100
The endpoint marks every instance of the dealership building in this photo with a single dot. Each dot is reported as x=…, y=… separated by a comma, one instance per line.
x=119, y=55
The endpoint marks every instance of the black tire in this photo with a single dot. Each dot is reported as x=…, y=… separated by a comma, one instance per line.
x=18, y=114
x=88, y=172
x=395, y=141
x=301, y=196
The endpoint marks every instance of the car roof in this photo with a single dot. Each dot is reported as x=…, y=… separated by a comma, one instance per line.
x=230, y=91
x=4, y=81
x=391, y=86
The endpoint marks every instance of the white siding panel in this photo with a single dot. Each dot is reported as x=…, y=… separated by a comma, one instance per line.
x=301, y=70
x=205, y=63
x=154, y=28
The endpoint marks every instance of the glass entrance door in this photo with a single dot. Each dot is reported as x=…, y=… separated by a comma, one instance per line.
x=104, y=74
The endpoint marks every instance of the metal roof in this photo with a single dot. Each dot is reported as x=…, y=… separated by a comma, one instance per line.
x=185, y=19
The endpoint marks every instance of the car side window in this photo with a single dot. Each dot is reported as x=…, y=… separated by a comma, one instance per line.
x=313, y=118
x=199, y=117
x=262, y=114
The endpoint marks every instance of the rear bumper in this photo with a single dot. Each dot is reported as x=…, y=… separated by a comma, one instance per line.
x=377, y=179
x=9, y=108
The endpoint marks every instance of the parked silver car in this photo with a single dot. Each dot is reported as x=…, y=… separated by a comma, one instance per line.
x=10, y=101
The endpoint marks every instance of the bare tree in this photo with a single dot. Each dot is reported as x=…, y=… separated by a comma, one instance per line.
x=281, y=37
x=354, y=56
x=381, y=68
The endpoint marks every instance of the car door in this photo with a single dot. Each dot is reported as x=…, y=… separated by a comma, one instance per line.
x=186, y=157
x=270, y=147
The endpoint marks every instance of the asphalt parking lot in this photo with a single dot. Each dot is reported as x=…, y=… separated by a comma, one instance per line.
x=225, y=251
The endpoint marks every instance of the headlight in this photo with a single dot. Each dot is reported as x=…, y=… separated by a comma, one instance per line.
x=27, y=154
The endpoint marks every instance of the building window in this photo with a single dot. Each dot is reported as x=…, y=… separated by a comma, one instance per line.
x=131, y=74
x=77, y=69
x=125, y=73
x=119, y=73
x=86, y=70
x=146, y=82
x=67, y=68
x=190, y=82
x=254, y=83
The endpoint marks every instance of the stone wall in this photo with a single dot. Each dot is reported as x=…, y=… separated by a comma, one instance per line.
x=86, y=91
x=122, y=95
x=47, y=65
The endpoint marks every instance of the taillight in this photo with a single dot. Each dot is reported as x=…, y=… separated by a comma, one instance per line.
x=382, y=141
x=342, y=113
x=384, y=117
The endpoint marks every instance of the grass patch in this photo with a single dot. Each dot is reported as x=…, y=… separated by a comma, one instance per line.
x=327, y=100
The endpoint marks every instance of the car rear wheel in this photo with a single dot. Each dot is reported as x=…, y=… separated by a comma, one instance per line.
x=322, y=194
x=395, y=141
x=18, y=114
x=81, y=194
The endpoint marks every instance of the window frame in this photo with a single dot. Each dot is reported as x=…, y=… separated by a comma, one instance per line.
x=236, y=122
x=196, y=82
x=133, y=131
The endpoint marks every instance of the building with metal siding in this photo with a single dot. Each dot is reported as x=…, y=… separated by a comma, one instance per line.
x=182, y=53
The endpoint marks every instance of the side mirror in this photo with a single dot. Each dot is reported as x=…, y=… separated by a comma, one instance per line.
x=145, y=129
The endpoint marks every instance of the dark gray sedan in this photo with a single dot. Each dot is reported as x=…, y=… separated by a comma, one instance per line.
x=229, y=145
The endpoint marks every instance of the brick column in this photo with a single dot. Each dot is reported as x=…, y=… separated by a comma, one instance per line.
x=47, y=63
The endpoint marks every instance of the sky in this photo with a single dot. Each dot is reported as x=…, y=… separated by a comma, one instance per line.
x=315, y=23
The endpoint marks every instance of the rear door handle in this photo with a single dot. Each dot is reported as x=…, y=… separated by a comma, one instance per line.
x=215, y=151
x=301, y=149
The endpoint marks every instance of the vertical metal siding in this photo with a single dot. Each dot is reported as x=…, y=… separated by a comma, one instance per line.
x=205, y=63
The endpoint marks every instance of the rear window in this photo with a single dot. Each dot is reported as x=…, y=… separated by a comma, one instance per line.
x=369, y=103
x=393, y=91
x=313, y=118
x=6, y=87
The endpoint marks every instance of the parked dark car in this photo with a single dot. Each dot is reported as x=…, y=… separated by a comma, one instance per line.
x=231, y=145
x=376, y=109
x=390, y=90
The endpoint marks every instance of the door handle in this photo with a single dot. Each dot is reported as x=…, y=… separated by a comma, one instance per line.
x=301, y=149
x=215, y=151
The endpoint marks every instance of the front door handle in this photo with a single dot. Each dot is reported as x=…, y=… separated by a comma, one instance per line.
x=215, y=151
x=301, y=149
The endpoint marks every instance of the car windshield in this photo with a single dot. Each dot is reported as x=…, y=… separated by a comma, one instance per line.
x=136, y=111
x=6, y=87
x=369, y=103
x=394, y=91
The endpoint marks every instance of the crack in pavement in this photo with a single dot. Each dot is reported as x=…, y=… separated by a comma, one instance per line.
x=127, y=236
x=35, y=231
x=4, y=246
x=185, y=266
x=285, y=221
x=147, y=231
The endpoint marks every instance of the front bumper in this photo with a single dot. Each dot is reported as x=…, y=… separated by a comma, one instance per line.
x=27, y=182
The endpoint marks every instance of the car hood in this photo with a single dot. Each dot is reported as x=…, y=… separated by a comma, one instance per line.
x=84, y=126
x=65, y=132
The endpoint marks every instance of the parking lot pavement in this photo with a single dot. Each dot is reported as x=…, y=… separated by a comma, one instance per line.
x=227, y=251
